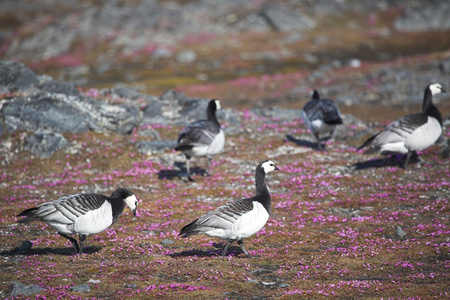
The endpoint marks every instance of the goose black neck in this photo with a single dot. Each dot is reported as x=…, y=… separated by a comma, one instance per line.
x=428, y=106
x=315, y=95
x=262, y=192
x=117, y=207
x=211, y=112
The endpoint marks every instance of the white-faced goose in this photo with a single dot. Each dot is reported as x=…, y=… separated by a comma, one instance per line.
x=239, y=219
x=410, y=133
x=82, y=214
x=202, y=138
x=321, y=116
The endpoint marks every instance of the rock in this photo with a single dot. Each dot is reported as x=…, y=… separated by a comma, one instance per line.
x=400, y=232
x=131, y=286
x=81, y=288
x=419, y=16
x=66, y=88
x=186, y=56
x=62, y=113
x=15, y=76
x=279, y=113
x=45, y=144
x=286, y=19
x=167, y=242
x=153, y=147
x=94, y=281
x=19, y=288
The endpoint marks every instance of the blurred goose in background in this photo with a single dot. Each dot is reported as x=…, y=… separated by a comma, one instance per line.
x=414, y=132
x=321, y=116
x=202, y=138
x=82, y=214
x=239, y=219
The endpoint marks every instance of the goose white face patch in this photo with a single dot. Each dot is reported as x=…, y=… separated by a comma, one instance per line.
x=435, y=88
x=218, y=106
x=268, y=166
x=132, y=202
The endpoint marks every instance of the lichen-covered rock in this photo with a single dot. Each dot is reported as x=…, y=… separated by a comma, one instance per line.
x=18, y=288
x=15, y=76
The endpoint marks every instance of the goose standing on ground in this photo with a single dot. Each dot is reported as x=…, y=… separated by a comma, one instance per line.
x=239, y=219
x=202, y=138
x=410, y=133
x=321, y=116
x=82, y=214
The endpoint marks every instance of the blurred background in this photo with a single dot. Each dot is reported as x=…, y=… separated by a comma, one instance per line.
x=373, y=57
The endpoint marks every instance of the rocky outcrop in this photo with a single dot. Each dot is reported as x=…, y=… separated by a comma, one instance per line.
x=46, y=109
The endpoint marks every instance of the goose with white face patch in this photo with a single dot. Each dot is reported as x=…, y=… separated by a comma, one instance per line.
x=410, y=133
x=82, y=214
x=239, y=219
x=321, y=116
x=202, y=138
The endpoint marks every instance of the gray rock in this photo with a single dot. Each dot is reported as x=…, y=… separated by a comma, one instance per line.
x=43, y=112
x=278, y=113
x=15, y=76
x=167, y=242
x=19, y=288
x=400, y=232
x=61, y=113
x=424, y=16
x=94, y=281
x=186, y=56
x=51, y=86
x=45, y=144
x=81, y=288
x=153, y=147
x=286, y=19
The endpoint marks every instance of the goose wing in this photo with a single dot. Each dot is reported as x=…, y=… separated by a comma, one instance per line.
x=323, y=109
x=222, y=218
x=199, y=132
x=400, y=130
x=65, y=210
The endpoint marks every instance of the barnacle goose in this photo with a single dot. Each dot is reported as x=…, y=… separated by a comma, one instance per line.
x=239, y=219
x=82, y=214
x=202, y=138
x=412, y=132
x=321, y=116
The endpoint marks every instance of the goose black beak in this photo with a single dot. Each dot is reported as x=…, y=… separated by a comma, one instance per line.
x=134, y=212
x=443, y=91
x=276, y=168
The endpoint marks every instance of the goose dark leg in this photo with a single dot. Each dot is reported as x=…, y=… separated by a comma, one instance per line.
x=208, y=167
x=72, y=240
x=319, y=144
x=408, y=156
x=224, y=252
x=241, y=245
x=81, y=237
x=188, y=168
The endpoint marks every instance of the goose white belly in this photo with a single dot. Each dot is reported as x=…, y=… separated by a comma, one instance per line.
x=424, y=136
x=205, y=150
x=94, y=221
x=321, y=127
x=245, y=226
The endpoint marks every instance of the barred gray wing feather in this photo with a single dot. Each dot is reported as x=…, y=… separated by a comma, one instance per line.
x=224, y=216
x=400, y=130
x=200, y=132
x=65, y=210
